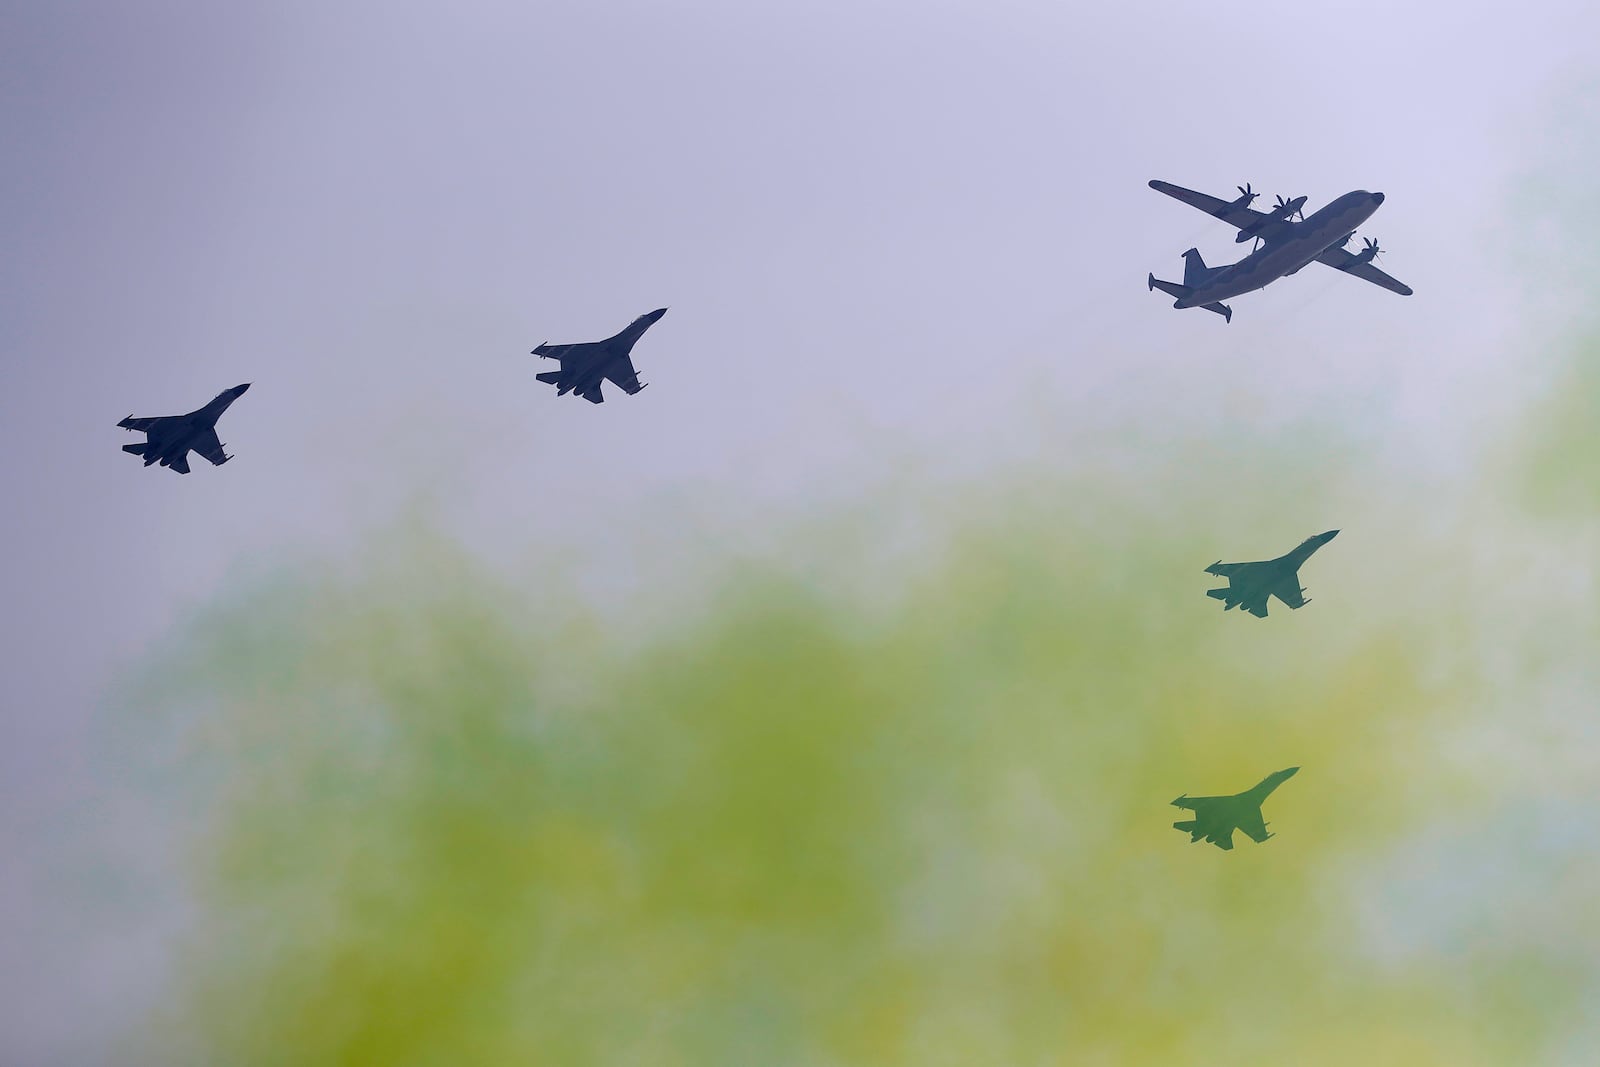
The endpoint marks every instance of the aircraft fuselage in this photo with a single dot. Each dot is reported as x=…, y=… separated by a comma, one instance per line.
x=1285, y=253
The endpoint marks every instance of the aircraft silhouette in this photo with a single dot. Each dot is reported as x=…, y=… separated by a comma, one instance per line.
x=1250, y=584
x=584, y=365
x=1216, y=818
x=170, y=438
x=1284, y=246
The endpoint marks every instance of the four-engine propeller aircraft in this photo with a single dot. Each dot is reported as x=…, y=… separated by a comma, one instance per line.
x=1216, y=818
x=584, y=365
x=1284, y=246
x=170, y=438
x=1250, y=584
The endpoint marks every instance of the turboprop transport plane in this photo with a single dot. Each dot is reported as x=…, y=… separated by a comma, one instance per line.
x=585, y=365
x=1284, y=246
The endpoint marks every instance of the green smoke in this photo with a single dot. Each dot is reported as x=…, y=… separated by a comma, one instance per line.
x=922, y=821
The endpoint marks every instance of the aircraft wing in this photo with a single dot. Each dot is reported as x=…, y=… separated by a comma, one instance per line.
x=146, y=425
x=1340, y=259
x=207, y=445
x=622, y=373
x=1289, y=592
x=1233, y=570
x=563, y=352
x=1229, y=212
x=1252, y=826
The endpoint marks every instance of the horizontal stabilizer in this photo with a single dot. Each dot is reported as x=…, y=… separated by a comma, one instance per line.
x=1170, y=288
x=1221, y=309
x=138, y=449
x=549, y=377
x=1217, y=594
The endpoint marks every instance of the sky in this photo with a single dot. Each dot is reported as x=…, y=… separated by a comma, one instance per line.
x=910, y=372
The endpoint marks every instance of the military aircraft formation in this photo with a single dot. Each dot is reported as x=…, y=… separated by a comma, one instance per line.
x=1285, y=241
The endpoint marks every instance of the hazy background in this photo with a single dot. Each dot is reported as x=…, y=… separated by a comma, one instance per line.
x=821, y=704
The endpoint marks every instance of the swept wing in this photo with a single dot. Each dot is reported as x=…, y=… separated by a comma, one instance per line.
x=565, y=352
x=1236, y=571
x=1341, y=259
x=150, y=425
x=209, y=448
x=1288, y=591
x=1252, y=825
x=621, y=372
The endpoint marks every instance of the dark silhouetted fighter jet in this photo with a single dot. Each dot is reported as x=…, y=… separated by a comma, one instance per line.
x=584, y=365
x=1250, y=584
x=170, y=438
x=1284, y=246
x=1216, y=818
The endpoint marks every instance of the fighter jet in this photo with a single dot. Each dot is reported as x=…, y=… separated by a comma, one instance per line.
x=1216, y=818
x=1250, y=584
x=584, y=365
x=1283, y=246
x=170, y=438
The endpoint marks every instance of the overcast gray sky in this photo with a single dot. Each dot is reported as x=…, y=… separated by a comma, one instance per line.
x=892, y=236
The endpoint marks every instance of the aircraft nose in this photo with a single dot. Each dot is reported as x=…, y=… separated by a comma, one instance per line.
x=241, y=389
x=1290, y=772
x=1377, y=198
x=1331, y=534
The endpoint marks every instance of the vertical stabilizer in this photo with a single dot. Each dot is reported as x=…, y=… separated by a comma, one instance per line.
x=1194, y=268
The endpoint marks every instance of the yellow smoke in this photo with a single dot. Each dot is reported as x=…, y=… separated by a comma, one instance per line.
x=457, y=825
